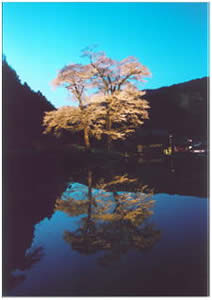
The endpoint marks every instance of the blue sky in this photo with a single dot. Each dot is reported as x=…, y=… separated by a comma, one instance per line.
x=171, y=39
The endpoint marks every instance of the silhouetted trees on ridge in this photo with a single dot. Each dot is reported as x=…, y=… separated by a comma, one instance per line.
x=180, y=108
x=23, y=111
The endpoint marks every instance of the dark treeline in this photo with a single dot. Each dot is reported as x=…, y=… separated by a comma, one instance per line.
x=180, y=108
x=23, y=111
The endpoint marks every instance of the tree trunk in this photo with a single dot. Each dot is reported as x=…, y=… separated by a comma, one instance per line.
x=88, y=221
x=86, y=139
x=109, y=126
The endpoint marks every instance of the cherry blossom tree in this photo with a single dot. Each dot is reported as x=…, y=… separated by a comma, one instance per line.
x=126, y=110
x=75, y=119
x=108, y=94
x=84, y=117
x=118, y=82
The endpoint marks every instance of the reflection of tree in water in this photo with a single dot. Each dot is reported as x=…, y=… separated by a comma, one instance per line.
x=112, y=221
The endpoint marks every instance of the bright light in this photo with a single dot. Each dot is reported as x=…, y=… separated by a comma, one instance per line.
x=198, y=151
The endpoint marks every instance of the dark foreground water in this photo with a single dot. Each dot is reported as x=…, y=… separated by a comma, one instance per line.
x=109, y=229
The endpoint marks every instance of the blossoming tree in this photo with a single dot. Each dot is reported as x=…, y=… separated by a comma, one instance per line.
x=118, y=85
x=114, y=107
x=86, y=116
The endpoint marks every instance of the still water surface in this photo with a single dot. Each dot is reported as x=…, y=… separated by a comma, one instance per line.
x=115, y=230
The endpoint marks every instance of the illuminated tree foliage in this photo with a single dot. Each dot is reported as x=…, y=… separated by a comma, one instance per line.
x=84, y=117
x=117, y=83
x=124, y=112
x=108, y=96
x=75, y=119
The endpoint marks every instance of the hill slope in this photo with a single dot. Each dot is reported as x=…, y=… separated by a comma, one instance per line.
x=181, y=108
x=23, y=110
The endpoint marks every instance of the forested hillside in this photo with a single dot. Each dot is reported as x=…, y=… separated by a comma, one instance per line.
x=180, y=108
x=23, y=111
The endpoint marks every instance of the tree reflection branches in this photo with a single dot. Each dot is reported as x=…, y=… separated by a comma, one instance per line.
x=110, y=220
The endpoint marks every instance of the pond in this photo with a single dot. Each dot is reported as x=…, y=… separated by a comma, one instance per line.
x=109, y=229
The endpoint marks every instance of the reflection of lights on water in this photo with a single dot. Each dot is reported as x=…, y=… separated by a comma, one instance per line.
x=199, y=151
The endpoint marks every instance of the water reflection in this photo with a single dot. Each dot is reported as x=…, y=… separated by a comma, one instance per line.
x=110, y=220
x=107, y=234
x=29, y=259
x=29, y=193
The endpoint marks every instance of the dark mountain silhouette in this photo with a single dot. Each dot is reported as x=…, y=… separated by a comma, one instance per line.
x=180, y=109
x=23, y=110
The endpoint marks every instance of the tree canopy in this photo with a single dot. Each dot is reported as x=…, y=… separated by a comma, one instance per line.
x=107, y=92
